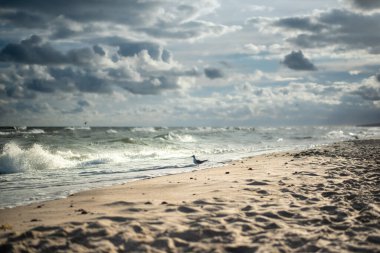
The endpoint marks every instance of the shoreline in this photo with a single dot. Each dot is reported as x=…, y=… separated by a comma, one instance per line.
x=218, y=165
x=327, y=198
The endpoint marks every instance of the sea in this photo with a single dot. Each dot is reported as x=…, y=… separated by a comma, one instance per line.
x=45, y=163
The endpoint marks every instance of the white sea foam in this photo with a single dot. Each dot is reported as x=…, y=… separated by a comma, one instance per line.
x=176, y=137
x=185, y=138
x=337, y=134
x=78, y=128
x=83, y=128
x=144, y=129
x=15, y=159
x=35, y=131
x=20, y=128
x=111, y=131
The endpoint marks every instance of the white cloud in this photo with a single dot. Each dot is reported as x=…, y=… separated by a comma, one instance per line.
x=255, y=49
x=259, y=8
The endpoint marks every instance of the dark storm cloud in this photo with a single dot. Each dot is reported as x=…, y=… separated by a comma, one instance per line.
x=369, y=93
x=99, y=50
x=378, y=77
x=28, y=84
x=34, y=51
x=71, y=79
x=40, y=86
x=366, y=4
x=119, y=11
x=84, y=80
x=300, y=23
x=346, y=29
x=62, y=32
x=24, y=19
x=163, y=19
x=83, y=103
x=19, y=92
x=213, y=73
x=297, y=61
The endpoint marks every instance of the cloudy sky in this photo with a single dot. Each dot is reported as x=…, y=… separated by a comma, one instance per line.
x=186, y=63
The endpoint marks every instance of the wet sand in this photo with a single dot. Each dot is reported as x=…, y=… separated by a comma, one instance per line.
x=320, y=200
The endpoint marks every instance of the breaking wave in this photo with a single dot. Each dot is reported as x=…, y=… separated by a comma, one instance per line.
x=144, y=129
x=14, y=159
x=111, y=131
x=78, y=128
x=175, y=137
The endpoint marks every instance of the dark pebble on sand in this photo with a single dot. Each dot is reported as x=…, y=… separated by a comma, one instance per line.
x=81, y=211
x=227, y=172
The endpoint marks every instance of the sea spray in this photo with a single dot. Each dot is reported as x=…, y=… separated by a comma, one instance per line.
x=14, y=159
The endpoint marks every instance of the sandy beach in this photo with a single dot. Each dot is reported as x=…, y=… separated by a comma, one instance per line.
x=325, y=199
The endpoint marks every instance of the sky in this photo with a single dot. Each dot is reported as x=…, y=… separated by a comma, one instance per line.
x=189, y=63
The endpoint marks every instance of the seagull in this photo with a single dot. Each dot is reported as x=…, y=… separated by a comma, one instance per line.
x=197, y=162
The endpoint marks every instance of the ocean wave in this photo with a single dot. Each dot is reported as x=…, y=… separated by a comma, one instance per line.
x=18, y=132
x=35, y=131
x=144, y=129
x=302, y=137
x=111, y=131
x=96, y=162
x=20, y=128
x=77, y=128
x=248, y=129
x=125, y=140
x=142, y=155
x=210, y=129
x=175, y=137
x=14, y=159
x=338, y=135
